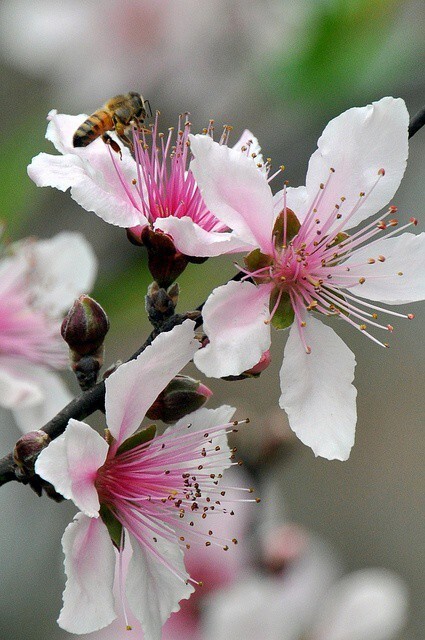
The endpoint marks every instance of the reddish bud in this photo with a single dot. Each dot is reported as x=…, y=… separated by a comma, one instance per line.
x=180, y=397
x=263, y=363
x=165, y=262
x=85, y=326
x=27, y=449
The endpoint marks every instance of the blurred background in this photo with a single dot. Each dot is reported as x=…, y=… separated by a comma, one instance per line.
x=282, y=69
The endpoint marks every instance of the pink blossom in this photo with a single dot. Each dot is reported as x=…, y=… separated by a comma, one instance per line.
x=39, y=281
x=155, y=189
x=153, y=493
x=303, y=261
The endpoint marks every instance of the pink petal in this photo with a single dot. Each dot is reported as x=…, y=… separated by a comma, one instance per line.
x=153, y=591
x=132, y=389
x=234, y=190
x=88, y=602
x=317, y=393
x=403, y=254
x=234, y=321
x=71, y=462
x=370, y=604
x=357, y=144
x=192, y=240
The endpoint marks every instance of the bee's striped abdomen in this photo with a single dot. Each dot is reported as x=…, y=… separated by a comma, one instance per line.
x=95, y=125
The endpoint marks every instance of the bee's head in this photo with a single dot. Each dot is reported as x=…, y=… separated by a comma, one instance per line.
x=139, y=105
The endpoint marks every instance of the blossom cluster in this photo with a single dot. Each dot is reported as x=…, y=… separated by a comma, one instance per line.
x=306, y=254
x=146, y=500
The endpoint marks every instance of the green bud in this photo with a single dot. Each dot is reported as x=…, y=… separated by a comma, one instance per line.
x=181, y=396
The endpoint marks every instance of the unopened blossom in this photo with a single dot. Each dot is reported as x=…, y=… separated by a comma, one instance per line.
x=303, y=261
x=154, y=191
x=138, y=491
x=39, y=280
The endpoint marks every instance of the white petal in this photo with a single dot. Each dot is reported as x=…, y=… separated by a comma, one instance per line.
x=248, y=140
x=71, y=462
x=61, y=129
x=153, y=591
x=192, y=240
x=88, y=602
x=234, y=190
x=55, y=396
x=62, y=268
x=234, y=321
x=202, y=420
x=296, y=199
x=90, y=173
x=17, y=388
x=357, y=144
x=132, y=389
x=317, y=393
x=403, y=254
x=366, y=605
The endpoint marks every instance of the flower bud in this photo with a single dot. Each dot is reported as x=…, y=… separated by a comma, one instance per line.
x=165, y=262
x=85, y=326
x=255, y=371
x=27, y=449
x=180, y=397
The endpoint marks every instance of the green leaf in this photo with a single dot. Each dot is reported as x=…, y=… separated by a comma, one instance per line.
x=138, y=438
x=112, y=524
x=284, y=315
x=257, y=260
x=292, y=227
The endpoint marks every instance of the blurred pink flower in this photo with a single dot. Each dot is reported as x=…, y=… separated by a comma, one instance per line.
x=303, y=261
x=307, y=600
x=40, y=280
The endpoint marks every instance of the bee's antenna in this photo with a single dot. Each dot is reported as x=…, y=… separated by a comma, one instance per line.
x=150, y=108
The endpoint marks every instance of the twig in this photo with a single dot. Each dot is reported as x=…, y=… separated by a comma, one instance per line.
x=417, y=122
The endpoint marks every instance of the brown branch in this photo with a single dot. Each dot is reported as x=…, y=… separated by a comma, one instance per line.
x=417, y=122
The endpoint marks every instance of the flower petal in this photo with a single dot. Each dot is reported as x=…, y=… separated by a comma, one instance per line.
x=404, y=254
x=317, y=393
x=55, y=396
x=132, y=389
x=153, y=591
x=296, y=199
x=62, y=268
x=71, y=462
x=357, y=144
x=234, y=190
x=370, y=604
x=90, y=173
x=17, y=388
x=192, y=240
x=88, y=602
x=234, y=321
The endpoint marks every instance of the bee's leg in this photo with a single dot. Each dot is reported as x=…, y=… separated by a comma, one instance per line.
x=114, y=145
x=120, y=131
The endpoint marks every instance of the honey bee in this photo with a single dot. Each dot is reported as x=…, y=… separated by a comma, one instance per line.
x=118, y=114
